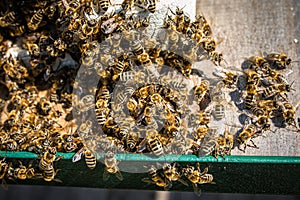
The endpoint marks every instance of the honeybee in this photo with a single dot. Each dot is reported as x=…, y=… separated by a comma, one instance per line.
x=4, y=172
x=276, y=77
x=111, y=167
x=152, y=142
x=252, y=77
x=246, y=135
x=89, y=156
x=46, y=162
x=172, y=173
x=288, y=112
x=20, y=172
x=7, y=19
x=44, y=106
x=195, y=176
x=131, y=140
x=224, y=144
x=144, y=59
x=251, y=95
x=149, y=5
x=17, y=30
x=36, y=20
x=158, y=179
x=276, y=90
x=201, y=91
x=50, y=173
x=278, y=61
x=229, y=77
x=261, y=118
x=104, y=4
x=268, y=105
x=216, y=57
x=258, y=63
x=86, y=103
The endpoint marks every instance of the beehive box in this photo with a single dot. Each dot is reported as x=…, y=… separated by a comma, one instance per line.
x=272, y=169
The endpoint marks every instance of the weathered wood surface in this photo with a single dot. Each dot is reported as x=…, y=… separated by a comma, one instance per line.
x=268, y=26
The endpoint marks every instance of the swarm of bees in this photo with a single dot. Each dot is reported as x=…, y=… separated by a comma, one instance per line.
x=70, y=69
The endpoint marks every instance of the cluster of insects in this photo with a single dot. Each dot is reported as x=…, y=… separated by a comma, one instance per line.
x=265, y=97
x=85, y=76
x=169, y=173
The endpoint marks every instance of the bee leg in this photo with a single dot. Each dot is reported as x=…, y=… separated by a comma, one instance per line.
x=196, y=190
x=253, y=145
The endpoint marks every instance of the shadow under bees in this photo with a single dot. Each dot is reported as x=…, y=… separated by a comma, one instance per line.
x=4, y=94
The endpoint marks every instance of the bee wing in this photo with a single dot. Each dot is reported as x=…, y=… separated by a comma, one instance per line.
x=168, y=186
x=4, y=184
x=119, y=176
x=147, y=180
x=106, y=175
x=183, y=182
x=208, y=143
x=77, y=156
x=196, y=190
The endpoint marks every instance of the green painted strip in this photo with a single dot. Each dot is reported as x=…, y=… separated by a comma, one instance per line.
x=174, y=158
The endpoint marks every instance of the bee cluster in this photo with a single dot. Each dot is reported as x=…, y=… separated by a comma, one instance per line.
x=174, y=172
x=265, y=96
x=85, y=76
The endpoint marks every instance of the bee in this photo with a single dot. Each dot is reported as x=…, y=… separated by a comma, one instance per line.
x=8, y=19
x=246, y=135
x=252, y=77
x=130, y=139
x=89, y=156
x=4, y=172
x=288, y=112
x=172, y=173
x=50, y=10
x=229, y=77
x=44, y=106
x=104, y=4
x=261, y=117
x=111, y=167
x=158, y=179
x=178, y=16
x=268, y=105
x=20, y=172
x=48, y=158
x=208, y=43
x=10, y=145
x=50, y=173
x=195, y=176
x=36, y=20
x=118, y=69
x=224, y=144
x=152, y=142
x=136, y=47
x=86, y=103
x=104, y=93
x=149, y=5
x=216, y=57
x=201, y=91
x=251, y=95
x=275, y=76
x=278, y=61
x=31, y=172
x=184, y=26
x=276, y=90
x=258, y=63
x=90, y=27
x=17, y=30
